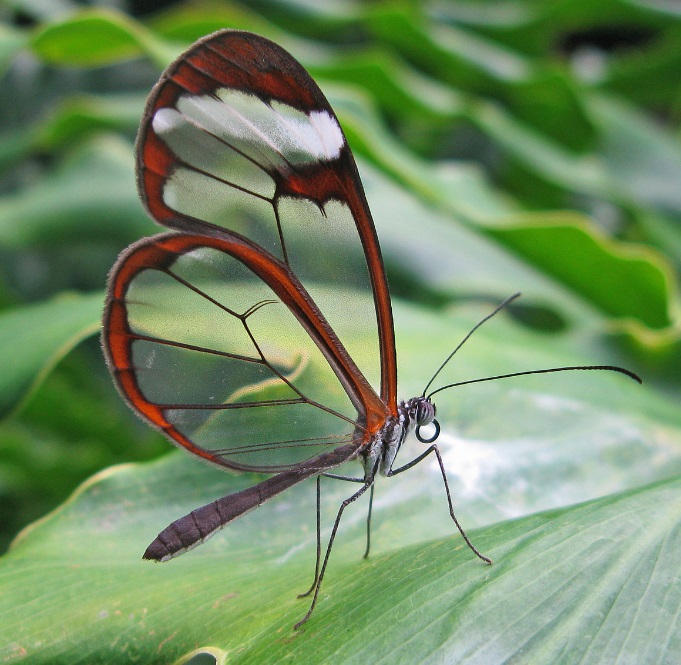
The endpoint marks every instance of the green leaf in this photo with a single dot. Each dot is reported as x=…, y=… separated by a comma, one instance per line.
x=83, y=116
x=642, y=161
x=75, y=120
x=553, y=577
x=98, y=37
x=625, y=281
x=398, y=88
x=89, y=195
x=564, y=586
x=454, y=55
x=548, y=161
x=541, y=255
x=189, y=22
x=33, y=338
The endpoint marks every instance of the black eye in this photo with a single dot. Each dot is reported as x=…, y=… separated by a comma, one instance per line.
x=425, y=412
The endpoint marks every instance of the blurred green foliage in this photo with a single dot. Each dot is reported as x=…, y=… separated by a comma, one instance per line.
x=507, y=145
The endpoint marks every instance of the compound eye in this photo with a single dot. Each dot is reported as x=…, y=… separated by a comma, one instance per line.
x=425, y=412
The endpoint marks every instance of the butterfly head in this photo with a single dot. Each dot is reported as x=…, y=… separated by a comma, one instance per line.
x=420, y=412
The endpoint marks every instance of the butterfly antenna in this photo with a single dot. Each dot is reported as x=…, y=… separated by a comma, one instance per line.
x=465, y=339
x=608, y=368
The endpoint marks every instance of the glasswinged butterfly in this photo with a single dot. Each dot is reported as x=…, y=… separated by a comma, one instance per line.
x=221, y=333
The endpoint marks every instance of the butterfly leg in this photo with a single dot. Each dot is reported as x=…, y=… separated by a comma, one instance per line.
x=371, y=504
x=436, y=450
x=352, y=479
x=319, y=541
x=367, y=484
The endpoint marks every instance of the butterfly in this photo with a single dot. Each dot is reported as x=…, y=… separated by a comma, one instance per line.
x=225, y=334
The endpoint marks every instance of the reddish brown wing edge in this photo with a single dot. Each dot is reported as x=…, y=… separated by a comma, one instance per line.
x=253, y=64
x=159, y=252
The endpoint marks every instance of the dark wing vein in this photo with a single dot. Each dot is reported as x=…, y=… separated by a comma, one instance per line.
x=292, y=443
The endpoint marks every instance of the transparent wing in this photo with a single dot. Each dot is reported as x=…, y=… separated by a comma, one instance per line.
x=237, y=136
x=216, y=343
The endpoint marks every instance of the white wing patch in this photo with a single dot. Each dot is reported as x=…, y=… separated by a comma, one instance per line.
x=273, y=135
x=329, y=133
x=317, y=135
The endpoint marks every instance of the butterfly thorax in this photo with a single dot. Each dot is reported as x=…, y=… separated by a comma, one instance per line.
x=417, y=411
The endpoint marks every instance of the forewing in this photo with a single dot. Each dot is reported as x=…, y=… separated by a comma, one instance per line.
x=237, y=135
x=216, y=343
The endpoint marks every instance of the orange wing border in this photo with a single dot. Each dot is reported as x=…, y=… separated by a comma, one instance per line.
x=160, y=252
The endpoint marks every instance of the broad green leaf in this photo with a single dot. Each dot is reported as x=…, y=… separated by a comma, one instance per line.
x=90, y=195
x=664, y=232
x=624, y=281
x=189, y=22
x=73, y=121
x=553, y=571
x=557, y=251
x=642, y=161
x=564, y=586
x=631, y=72
x=98, y=37
x=454, y=55
x=551, y=102
x=398, y=88
x=471, y=63
x=546, y=159
x=68, y=428
x=82, y=116
x=33, y=338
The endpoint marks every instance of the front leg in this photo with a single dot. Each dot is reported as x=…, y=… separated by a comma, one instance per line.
x=436, y=450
